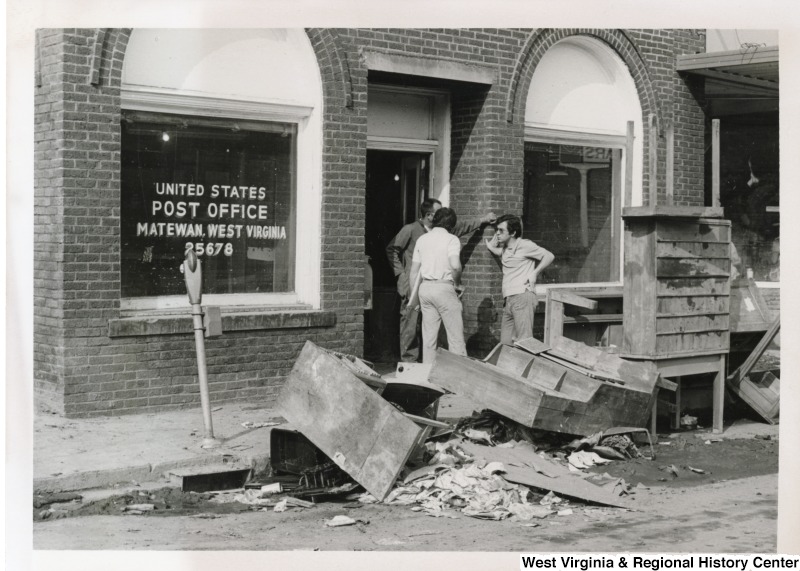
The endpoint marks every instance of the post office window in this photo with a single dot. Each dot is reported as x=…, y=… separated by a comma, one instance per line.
x=225, y=188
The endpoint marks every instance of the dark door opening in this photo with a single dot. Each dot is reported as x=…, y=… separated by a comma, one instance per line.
x=396, y=184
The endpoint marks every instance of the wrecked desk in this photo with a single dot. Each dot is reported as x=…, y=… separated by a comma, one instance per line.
x=676, y=300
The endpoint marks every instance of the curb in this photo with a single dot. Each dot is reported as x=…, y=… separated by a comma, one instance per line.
x=143, y=473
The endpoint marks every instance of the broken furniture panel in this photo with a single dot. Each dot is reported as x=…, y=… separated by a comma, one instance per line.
x=547, y=392
x=762, y=391
x=361, y=432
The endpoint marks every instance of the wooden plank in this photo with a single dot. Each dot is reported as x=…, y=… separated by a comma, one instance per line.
x=572, y=299
x=563, y=482
x=639, y=286
x=707, y=60
x=553, y=318
x=666, y=211
x=598, y=318
x=691, y=342
x=635, y=375
x=685, y=249
x=718, y=397
x=692, y=267
x=692, y=324
x=715, y=162
x=692, y=305
x=688, y=287
x=693, y=231
x=532, y=345
x=365, y=435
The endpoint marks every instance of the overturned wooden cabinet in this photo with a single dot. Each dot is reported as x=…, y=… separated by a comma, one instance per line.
x=567, y=387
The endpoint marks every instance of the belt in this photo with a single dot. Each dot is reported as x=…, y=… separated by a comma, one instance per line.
x=437, y=281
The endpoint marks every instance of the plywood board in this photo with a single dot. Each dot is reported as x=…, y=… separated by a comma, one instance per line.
x=692, y=267
x=692, y=305
x=560, y=481
x=694, y=231
x=365, y=435
x=686, y=249
x=682, y=287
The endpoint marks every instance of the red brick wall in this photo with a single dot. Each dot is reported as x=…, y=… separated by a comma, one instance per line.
x=84, y=371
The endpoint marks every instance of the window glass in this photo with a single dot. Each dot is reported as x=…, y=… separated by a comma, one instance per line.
x=571, y=208
x=224, y=188
x=750, y=193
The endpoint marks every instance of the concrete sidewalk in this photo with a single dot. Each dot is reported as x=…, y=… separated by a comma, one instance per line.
x=79, y=454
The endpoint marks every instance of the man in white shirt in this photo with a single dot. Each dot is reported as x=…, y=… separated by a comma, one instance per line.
x=437, y=257
x=518, y=257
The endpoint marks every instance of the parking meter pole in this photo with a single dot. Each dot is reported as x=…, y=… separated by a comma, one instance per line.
x=193, y=275
x=200, y=345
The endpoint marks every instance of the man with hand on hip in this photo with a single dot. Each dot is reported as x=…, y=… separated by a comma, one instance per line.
x=437, y=259
x=518, y=258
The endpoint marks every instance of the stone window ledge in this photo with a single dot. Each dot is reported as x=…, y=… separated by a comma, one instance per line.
x=244, y=321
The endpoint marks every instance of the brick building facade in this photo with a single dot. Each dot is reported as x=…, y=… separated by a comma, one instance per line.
x=95, y=354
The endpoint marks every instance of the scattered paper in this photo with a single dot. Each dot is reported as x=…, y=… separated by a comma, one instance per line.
x=249, y=424
x=340, y=520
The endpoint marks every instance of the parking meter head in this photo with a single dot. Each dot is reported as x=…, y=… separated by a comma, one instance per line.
x=193, y=276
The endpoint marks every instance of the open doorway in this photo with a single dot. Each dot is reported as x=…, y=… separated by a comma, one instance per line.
x=397, y=182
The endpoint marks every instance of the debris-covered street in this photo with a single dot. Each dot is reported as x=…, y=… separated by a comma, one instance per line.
x=730, y=508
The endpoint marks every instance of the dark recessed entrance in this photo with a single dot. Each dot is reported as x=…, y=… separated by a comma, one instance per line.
x=396, y=184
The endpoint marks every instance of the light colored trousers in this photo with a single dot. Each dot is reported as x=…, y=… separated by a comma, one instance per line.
x=440, y=304
x=517, y=320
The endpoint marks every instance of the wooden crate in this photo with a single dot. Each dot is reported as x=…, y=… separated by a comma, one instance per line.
x=676, y=291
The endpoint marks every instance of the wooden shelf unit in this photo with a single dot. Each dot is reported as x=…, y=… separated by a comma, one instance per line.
x=676, y=292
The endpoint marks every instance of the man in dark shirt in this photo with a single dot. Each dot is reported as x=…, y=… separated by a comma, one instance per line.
x=400, y=251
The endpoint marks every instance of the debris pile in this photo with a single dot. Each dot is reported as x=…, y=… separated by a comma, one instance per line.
x=358, y=429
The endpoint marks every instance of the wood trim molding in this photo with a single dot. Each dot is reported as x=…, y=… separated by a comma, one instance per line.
x=167, y=101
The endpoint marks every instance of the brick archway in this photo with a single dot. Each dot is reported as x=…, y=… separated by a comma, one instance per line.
x=333, y=64
x=542, y=40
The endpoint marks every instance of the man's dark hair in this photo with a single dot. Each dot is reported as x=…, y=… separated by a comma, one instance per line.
x=427, y=206
x=445, y=218
x=513, y=223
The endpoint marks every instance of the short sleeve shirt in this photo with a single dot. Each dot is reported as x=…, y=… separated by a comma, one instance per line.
x=518, y=265
x=433, y=251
